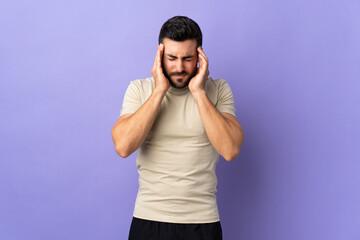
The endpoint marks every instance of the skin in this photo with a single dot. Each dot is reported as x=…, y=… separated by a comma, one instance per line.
x=179, y=60
x=173, y=58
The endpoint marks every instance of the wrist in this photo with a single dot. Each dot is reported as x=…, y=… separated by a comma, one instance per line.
x=160, y=91
x=198, y=93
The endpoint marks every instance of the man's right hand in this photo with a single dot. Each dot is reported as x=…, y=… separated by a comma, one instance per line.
x=161, y=82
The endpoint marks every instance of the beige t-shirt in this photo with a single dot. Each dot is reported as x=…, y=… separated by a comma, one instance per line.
x=176, y=163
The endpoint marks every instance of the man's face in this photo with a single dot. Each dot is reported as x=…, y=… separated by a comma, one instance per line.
x=179, y=61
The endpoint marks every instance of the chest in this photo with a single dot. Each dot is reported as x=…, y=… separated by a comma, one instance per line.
x=178, y=118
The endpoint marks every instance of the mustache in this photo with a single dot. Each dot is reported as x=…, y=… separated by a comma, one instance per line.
x=179, y=73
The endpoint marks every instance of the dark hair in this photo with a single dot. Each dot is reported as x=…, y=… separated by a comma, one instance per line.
x=181, y=28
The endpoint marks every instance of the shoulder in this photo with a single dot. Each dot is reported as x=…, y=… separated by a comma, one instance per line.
x=145, y=85
x=216, y=86
x=215, y=82
x=141, y=88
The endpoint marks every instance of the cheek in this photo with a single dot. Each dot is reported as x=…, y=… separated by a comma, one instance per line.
x=190, y=66
x=168, y=65
x=165, y=65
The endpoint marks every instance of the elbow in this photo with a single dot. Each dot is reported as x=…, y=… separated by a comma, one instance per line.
x=231, y=156
x=231, y=153
x=235, y=151
x=122, y=151
x=120, y=147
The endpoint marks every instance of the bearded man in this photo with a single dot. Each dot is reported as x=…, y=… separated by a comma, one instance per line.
x=179, y=120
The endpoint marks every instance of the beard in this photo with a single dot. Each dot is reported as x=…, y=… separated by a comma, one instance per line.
x=179, y=82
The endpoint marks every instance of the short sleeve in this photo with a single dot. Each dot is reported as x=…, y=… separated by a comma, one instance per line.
x=132, y=99
x=225, y=98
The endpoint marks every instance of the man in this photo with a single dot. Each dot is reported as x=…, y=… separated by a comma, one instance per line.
x=180, y=120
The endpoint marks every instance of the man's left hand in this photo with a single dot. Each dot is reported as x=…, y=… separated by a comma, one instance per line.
x=197, y=83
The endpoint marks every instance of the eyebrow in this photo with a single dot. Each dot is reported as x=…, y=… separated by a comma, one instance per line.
x=172, y=56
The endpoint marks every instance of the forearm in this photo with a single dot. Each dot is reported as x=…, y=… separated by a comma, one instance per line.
x=225, y=135
x=130, y=133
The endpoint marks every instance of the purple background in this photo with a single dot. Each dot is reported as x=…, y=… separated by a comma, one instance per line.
x=294, y=70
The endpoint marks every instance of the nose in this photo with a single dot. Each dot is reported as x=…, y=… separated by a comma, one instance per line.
x=179, y=66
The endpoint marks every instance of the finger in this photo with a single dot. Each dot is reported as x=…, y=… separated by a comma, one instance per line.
x=201, y=51
x=202, y=62
x=155, y=62
x=156, y=57
x=161, y=46
x=161, y=52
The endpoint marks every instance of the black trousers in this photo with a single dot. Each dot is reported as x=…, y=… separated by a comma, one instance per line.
x=141, y=229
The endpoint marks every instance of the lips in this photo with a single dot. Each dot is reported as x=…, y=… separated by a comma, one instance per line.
x=179, y=75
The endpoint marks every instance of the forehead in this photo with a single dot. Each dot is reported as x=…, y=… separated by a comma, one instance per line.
x=180, y=49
